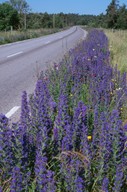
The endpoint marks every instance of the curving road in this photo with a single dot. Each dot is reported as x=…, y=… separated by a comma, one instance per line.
x=21, y=62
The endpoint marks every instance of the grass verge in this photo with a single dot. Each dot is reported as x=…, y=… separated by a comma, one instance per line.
x=118, y=48
x=9, y=37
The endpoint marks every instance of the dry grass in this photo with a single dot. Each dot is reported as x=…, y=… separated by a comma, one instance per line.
x=12, y=36
x=118, y=48
x=118, y=51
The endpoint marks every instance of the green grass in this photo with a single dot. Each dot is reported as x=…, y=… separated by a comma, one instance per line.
x=118, y=48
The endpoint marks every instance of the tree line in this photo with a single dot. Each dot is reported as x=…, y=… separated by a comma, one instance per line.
x=17, y=14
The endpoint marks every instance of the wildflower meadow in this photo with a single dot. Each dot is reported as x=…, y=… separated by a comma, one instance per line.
x=72, y=133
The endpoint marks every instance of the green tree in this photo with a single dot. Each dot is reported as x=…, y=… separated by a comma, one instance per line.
x=23, y=8
x=8, y=17
x=122, y=17
x=46, y=20
x=112, y=14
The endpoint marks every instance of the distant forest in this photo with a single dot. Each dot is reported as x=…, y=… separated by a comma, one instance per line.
x=17, y=14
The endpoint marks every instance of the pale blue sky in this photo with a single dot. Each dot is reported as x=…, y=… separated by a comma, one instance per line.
x=94, y=7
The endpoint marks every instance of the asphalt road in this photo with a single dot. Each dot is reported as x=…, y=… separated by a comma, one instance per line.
x=21, y=62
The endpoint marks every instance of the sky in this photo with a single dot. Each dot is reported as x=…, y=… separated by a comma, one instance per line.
x=94, y=7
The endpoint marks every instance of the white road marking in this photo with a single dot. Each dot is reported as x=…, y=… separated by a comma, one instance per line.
x=85, y=34
x=18, y=53
x=47, y=42
x=12, y=111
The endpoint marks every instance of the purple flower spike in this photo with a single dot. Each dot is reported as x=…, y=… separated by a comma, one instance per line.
x=79, y=184
x=105, y=185
x=16, y=182
x=25, y=115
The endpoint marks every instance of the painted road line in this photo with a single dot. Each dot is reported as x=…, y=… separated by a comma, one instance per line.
x=48, y=42
x=84, y=34
x=18, y=53
x=12, y=111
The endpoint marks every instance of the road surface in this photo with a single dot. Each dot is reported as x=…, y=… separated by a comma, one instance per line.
x=21, y=62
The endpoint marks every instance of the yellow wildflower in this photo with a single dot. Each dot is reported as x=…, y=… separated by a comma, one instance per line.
x=89, y=137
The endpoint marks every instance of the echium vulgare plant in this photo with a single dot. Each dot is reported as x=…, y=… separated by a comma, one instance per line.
x=72, y=132
x=44, y=178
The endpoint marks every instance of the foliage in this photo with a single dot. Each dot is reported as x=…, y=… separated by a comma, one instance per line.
x=71, y=135
x=22, y=7
x=30, y=20
x=115, y=17
x=8, y=17
x=112, y=14
x=122, y=18
x=59, y=20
